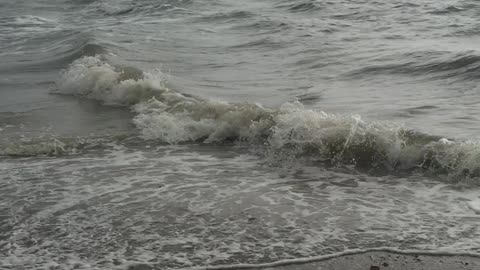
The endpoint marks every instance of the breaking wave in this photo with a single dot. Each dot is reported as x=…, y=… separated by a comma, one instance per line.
x=289, y=132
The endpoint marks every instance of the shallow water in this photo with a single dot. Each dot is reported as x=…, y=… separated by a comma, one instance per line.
x=182, y=206
x=176, y=134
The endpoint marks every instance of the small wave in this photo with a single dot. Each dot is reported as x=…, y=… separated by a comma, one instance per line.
x=262, y=42
x=308, y=98
x=290, y=131
x=30, y=21
x=406, y=4
x=263, y=26
x=227, y=16
x=160, y=8
x=96, y=79
x=26, y=27
x=51, y=145
x=41, y=147
x=77, y=45
x=436, y=64
x=52, y=50
x=447, y=10
x=83, y=2
x=81, y=46
x=116, y=10
x=301, y=7
x=90, y=49
x=78, y=50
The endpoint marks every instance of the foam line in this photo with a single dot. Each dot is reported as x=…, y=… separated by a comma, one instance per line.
x=332, y=256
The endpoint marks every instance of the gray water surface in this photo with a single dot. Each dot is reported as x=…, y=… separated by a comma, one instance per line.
x=278, y=130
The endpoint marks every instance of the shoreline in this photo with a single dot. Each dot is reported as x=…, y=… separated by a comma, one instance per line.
x=389, y=260
x=371, y=259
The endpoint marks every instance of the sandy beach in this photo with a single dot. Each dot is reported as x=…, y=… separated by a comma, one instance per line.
x=390, y=261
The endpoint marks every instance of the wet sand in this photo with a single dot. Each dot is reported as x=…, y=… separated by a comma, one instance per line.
x=389, y=261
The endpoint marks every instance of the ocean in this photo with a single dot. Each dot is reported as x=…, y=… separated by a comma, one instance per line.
x=188, y=134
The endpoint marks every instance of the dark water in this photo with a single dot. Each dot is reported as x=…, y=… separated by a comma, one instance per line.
x=181, y=134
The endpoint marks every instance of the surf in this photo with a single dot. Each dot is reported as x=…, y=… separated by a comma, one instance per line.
x=170, y=117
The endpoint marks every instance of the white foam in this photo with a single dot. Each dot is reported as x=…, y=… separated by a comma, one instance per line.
x=190, y=120
x=135, y=206
x=474, y=205
x=96, y=79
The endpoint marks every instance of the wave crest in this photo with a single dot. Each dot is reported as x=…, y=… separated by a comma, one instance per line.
x=94, y=78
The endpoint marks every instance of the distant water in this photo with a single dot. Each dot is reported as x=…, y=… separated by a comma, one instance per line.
x=174, y=134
